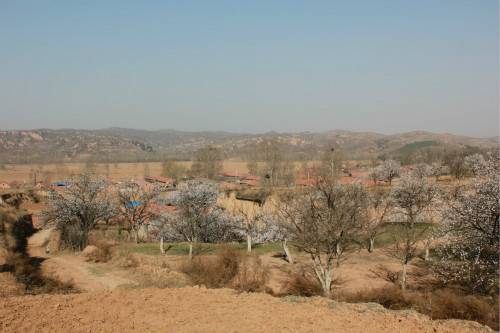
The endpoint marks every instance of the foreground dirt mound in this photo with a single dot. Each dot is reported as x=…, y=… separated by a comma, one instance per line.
x=194, y=309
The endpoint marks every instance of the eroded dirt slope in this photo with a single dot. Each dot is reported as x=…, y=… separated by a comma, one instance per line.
x=193, y=309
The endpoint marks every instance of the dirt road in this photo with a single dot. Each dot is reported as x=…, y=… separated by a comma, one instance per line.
x=84, y=275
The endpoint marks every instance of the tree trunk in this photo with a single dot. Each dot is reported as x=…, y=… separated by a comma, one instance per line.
x=372, y=245
x=339, y=248
x=191, y=250
x=249, y=242
x=136, y=235
x=403, y=278
x=328, y=283
x=427, y=248
x=287, y=252
x=162, y=248
x=324, y=277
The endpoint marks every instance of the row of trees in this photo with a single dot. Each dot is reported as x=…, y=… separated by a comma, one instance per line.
x=325, y=222
x=468, y=166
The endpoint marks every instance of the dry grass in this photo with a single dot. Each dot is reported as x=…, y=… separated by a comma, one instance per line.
x=439, y=304
x=302, y=284
x=101, y=252
x=124, y=258
x=228, y=269
x=252, y=275
x=57, y=172
x=53, y=172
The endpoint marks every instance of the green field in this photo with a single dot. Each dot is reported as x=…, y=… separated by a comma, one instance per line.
x=411, y=147
x=182, y=249
x=383, y=239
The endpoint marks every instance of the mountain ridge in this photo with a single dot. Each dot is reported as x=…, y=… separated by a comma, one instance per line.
x=124, y=144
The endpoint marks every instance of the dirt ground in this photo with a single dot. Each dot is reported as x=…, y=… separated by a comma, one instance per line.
x=106, y=304
x=86, y=276
x=106, y=307
x=193, y=309
x=57, y=172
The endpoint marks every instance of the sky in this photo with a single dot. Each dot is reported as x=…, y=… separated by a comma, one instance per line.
x=251, y=66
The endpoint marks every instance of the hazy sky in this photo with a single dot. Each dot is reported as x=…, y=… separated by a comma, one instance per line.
x=251, y=66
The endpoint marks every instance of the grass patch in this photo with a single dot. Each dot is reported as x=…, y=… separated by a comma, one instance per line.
x=411, y=147
x=98, y=271
x=384, y=237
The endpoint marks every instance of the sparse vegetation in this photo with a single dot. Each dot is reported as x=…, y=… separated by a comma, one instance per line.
x=439, y=304
x=228, y=269
x=305, y=223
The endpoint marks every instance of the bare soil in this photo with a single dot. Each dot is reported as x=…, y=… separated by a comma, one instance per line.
x=106, y=307
x=193, y=309
x=85, y=276
x=58, y=172
x=196, y=309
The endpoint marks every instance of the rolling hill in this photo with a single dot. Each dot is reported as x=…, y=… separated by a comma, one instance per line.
x=126, y=145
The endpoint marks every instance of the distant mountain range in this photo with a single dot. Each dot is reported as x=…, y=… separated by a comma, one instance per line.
x=128, y=145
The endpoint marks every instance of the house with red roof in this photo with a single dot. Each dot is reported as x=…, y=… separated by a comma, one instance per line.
x=42, y=184
x=160, y=181
x=16, y=184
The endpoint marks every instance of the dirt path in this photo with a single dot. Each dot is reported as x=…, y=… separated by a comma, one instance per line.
x=84, y=275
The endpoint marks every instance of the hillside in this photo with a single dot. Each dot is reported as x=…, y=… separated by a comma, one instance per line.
x=129, y=145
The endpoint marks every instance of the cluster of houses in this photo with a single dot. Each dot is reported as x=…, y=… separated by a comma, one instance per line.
x=228, y=180
x=14, y=184
x=232, y=180
x=310, y=176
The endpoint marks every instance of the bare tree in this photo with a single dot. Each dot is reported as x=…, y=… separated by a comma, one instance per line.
x=106, y=169
x=455, y=163
x=331, y=161
x=377, y=209
x=434, y=216
x=145, y=169
x=253, y=159
x=139, y=207
x=412, y=196
x=208, y=162
x=171, y=169
x=76, y=211
x=194, y=202
x=273, y=156
x=324, y=223
x=90, y=164
x=282, y=222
